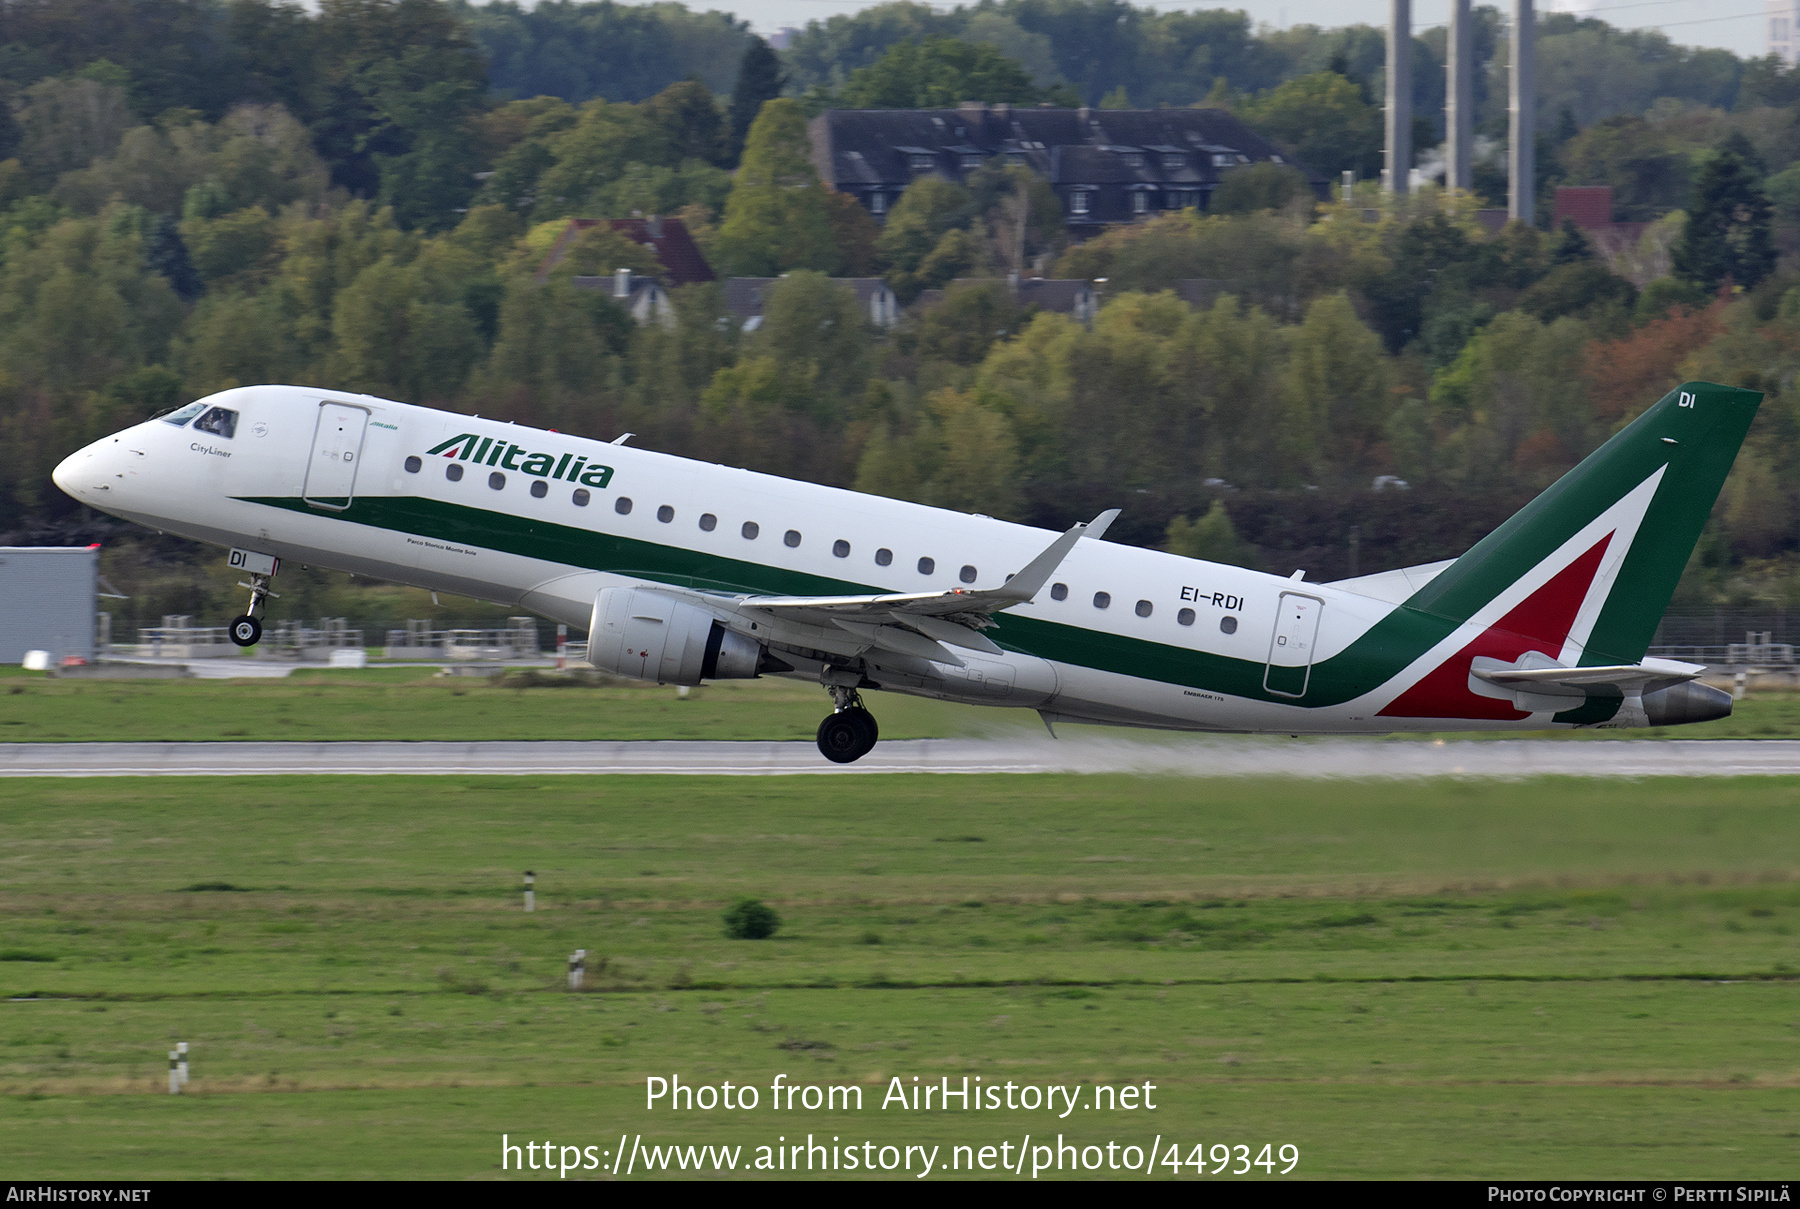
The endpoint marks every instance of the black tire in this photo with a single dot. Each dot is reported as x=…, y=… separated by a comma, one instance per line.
x=842, y=738
x=866, y=720
x=246, y=630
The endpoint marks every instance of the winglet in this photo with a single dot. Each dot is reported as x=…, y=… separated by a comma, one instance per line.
x=1029, y=582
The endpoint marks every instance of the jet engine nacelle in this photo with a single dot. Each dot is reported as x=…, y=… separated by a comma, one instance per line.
x=649, y=636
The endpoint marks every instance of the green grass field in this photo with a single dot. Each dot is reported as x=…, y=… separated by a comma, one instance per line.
x=414, y=704
x=1549, y=979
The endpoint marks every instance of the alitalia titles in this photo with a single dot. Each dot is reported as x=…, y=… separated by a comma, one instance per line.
x=486, y=451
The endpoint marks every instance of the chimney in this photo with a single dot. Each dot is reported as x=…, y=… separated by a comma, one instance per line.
x=1521, y=165
x=1081, y=115
x=621, y=283
x=653, y=224
x=1399, y=96
x=1459, y=99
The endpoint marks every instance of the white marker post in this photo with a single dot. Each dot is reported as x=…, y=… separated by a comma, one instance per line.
x=181, y=1061
x=174, y=1075
x=577, y=968
x=530, y=894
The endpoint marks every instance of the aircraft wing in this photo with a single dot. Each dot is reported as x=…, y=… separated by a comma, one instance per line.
x=920, y=610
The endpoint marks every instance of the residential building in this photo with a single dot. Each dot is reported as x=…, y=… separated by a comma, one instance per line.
x=1107, y=166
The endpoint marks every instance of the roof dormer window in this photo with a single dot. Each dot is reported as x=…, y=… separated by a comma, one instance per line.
x=1132, y=159
x=1174, y=159
x=920, y=162
x=972, y=160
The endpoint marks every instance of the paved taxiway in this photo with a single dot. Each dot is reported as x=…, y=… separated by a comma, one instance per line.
x=1200, y=757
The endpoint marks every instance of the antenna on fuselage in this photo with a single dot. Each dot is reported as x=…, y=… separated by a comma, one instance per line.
x=622, y=438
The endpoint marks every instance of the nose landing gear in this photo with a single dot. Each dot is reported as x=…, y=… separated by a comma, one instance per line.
x=246, y=629
x=849, y=733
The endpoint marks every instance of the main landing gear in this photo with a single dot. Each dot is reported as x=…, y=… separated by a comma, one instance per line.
x=246, y=630
x=849, y=732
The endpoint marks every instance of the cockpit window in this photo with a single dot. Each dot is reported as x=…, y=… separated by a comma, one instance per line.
x=178, y=418
x=220, y=421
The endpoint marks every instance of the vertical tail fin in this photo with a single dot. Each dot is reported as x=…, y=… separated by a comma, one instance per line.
x=1587, y=568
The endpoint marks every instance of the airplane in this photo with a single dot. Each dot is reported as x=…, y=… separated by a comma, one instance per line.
x=686, y=571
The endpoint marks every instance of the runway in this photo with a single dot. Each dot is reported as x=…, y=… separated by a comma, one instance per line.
x=1312, y=759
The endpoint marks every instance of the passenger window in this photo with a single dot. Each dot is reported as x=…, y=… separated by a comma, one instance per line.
x=453, y=472
x=1059, y=591
x=581, y=497
x=413, y=464
x=1102, y=600
x=791, y=538
x=220, y=421
x=496, y=480
x=708, y=522
x=665, y=514
x=622, y=505
x=1228, y=625
x=750, y=530
x=884, y=557
x=1185, y=617
x=967, y=575
x=539, y=489
x=927, y=566
x=1144, y=608
x=178, y=418
x=840, y=548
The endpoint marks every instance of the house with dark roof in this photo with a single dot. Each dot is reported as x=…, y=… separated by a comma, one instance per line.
x=680, y=257
x=1107, y=165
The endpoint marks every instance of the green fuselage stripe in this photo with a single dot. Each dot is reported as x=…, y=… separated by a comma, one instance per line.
x=1388, y=647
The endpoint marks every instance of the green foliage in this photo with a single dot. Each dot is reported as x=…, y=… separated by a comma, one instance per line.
x=1324, y=120
x=751, y=919
x=1727, y=235
x=776, y=217
x=594, y=48
x=1260, y=187
x=939, y=73
x=1211, y=538
x=759, y=81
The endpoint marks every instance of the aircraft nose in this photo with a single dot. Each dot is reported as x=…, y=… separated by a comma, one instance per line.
x=83, y=474
x=67, y=472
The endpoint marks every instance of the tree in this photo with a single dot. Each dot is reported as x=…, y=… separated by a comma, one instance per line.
x=1727, y=236
x=690, y=121
x=777, y=218
x=939, y=73
x=1323, y=120
x=1337, y=386
x=1259, y=187
x=759, y=81
x=1212, y=537
x=930, y=209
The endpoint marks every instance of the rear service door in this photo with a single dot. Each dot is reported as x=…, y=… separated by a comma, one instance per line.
x=1291, y=647
x=337, y=448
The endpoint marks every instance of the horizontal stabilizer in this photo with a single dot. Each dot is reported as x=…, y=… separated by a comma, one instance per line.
x=1630, y=678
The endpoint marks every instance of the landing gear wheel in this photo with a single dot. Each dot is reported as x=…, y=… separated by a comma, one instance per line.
x=246, y=630
x=866, y=720
x=847, y=735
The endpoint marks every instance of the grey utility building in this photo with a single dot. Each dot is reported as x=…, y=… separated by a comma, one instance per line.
x=1107, y=165
x=47, y=601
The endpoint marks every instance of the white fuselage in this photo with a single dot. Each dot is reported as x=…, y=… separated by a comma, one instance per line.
x=1093, y=646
